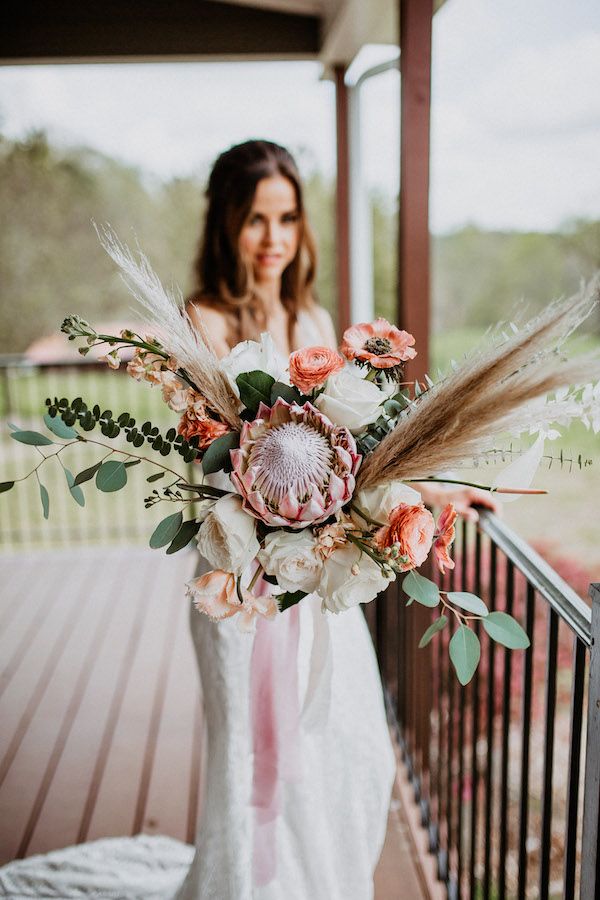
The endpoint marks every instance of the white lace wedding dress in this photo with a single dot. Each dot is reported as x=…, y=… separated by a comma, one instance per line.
x=328, y=835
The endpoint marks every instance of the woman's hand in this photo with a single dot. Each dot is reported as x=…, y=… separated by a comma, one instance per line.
x=465, y=499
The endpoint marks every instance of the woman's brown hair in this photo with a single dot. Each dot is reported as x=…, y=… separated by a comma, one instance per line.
x=223, y=280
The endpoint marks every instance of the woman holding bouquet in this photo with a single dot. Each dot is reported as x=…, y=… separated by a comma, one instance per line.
x=296, y=804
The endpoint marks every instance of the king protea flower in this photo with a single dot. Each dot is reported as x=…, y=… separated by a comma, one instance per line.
x=294, y=467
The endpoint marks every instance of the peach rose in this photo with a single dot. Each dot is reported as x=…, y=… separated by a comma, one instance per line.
x=215, y=595
x=207, y=429
x=378, y=343
x=412, y=528
x=444, y=538
x=312, y=366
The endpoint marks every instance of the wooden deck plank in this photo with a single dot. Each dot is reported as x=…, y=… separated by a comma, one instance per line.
x=75, y=770
x=123, y=782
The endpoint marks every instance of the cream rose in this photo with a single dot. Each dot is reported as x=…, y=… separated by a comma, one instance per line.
x=291, y=558
x=340, y=589
x=227, y=537
x=249, y=356
x=378, y=502
x=350, y=400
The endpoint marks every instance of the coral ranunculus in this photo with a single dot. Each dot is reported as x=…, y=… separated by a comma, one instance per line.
x=207, y=429
x=412, y=528
x=378, y=343
x=312, y=366
x=445, y=536
x=294, y=467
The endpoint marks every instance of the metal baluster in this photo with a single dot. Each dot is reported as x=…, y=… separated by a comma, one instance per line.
x=577, y=689
x=590, y=855
x=510, y=587
x=490, y=712
x=552, y=644
x=526, y=720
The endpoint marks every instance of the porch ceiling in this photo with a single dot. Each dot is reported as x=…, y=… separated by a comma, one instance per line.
x=331, y=31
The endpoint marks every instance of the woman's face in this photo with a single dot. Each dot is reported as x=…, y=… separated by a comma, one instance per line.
x=269, y=236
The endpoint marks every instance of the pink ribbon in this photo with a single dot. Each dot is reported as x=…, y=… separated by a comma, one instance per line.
x=275, y=714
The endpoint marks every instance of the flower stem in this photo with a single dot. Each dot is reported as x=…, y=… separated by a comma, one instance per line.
x=483, y=487
x=365, y=516
x=255, y=577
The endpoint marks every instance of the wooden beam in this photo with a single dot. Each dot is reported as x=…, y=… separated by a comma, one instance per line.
x=342, y=205
x=61, y=30
x=413, y=232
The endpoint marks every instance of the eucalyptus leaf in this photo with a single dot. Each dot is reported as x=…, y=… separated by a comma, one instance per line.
x=75, y=490
x=288, y=599
x=470, y=602
x=433, y=629
x=13, y=427
x=166, y=530
x=111, y=476
x=34, y=438
x=59, y=428
x=156, y=476
x=505, y=630
x=45, y=501
x=132, y=462
x=465, y=651
x=183, y=537
x=87, y=474
x=217, y=455
x=6, y=486
x=421, y=589
x=255, y=387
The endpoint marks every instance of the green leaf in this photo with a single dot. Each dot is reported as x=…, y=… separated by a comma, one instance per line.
x=31, y=437
x=156, y=476
x=288, y=599
x=433, y=629
x=421, y=589
x=470, y=602
x=166, y=530
x=505, y=630
x=465, y=651
x=217, y=455
x=184, y=536
x=6, y=486
x=45, y=501
x=111, y=476
x=13, y=427
x=87, y=474
x=255, y=387
x=132, y=462
x=58, y=427
x=75, y=490
x=289, y=393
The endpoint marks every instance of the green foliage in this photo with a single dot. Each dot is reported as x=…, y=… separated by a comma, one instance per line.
x=465, y=652
x=289, y=598
x=505, y=630
x=255, y=388
x=111, y=476
x=470, y=602
x=34, y=438
x=217, y=456
x=433, y=629
x=421, y=589
x=45, y=501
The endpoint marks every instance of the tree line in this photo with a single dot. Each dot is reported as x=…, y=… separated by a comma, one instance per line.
x=51, y=263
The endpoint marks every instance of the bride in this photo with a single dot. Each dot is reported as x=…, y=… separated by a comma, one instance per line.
x=295, y=804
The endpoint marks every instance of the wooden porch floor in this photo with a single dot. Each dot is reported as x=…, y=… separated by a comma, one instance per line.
x=100, y=707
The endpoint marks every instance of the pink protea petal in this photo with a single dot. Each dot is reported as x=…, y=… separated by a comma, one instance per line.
x=289, y=506
x=337, y=487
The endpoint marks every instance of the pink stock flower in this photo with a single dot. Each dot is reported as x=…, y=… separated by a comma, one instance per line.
x=215, y=595
x=294, y=467
x=312, y=366
x=412, y=529
x=378, y=343
x=444, y=538
x=111, y=359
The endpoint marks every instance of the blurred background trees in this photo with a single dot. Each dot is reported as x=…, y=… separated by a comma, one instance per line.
x=51, y=263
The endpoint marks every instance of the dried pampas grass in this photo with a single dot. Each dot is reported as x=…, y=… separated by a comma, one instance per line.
x=191, y=346
x=500, y=389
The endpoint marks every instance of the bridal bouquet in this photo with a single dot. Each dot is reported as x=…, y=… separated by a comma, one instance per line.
x=308, y=468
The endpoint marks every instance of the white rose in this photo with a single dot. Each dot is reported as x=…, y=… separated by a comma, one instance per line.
x=340, y=589
x=292, y=560
x=378, y=502
x=250, y=356
x=227, y=537
x=350, y=400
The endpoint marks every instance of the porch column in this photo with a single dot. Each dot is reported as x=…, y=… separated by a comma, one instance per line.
x=413, y=236
x=342, y=204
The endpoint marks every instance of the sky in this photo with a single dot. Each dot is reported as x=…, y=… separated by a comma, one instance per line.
x=515, y=113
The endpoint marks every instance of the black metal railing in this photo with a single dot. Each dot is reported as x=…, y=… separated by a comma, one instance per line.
x=496, y=766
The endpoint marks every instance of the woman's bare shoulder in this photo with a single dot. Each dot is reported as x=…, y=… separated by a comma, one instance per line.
x=203, y=312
